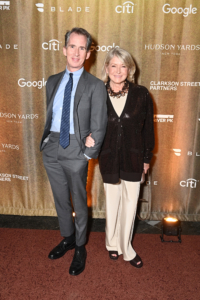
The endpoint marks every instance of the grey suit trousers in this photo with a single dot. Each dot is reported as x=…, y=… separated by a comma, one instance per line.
x=67, y=172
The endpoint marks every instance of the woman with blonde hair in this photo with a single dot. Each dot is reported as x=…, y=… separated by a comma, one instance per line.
x=126, y=151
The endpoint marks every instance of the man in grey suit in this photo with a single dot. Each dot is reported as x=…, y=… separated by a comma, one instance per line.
x=76, y=110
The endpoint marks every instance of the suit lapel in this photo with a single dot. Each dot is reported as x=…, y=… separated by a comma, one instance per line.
x=80, y=89
x=55, y=88
x=79, y=92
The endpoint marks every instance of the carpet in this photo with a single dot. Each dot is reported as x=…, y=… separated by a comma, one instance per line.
x=170, y=271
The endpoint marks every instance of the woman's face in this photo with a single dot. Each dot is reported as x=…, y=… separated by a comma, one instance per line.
x=117, y=71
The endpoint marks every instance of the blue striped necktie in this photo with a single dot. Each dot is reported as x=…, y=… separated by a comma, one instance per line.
x=64, y=128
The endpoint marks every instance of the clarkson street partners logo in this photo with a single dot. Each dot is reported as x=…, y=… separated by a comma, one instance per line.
x=191, y=183
x=171, y=85
x=40, y=7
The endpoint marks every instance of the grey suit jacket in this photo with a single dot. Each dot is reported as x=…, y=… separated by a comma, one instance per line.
x=90, y=110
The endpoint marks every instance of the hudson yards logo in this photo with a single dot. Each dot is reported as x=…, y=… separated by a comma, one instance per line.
x=39, y=84
x=9, y=146
x=51, y=45
x=171, y=47
x=126, y=7
x=40, y=8
x=12, y=116
x=192, y=183
x=164, y=118
x=180, y=10
x=102, y=48
x=4, y=5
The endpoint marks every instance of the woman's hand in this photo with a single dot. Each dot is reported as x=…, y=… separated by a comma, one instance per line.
x=146, y=167
x=89, y=141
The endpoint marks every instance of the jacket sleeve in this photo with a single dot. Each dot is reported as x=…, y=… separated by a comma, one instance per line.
x=148, y=130
x=98, y=119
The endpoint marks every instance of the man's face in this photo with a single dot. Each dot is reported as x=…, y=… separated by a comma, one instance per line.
x=76, y=52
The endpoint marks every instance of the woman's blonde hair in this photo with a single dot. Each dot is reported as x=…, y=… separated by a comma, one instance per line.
x=125, y=57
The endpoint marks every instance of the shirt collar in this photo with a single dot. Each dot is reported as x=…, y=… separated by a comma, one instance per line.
x=76, y=73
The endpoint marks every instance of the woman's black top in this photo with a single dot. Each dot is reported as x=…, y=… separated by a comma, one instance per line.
x=129, y=138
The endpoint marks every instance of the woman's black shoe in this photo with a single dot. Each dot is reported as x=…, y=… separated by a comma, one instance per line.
x=134, y=262
x=112, y=256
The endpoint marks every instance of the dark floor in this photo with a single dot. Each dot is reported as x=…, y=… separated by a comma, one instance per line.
x=95, y=225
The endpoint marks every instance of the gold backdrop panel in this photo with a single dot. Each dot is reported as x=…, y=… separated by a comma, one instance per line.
x=163, y=38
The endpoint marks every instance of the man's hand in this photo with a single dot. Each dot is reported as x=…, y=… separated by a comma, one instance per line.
x=89, y=141
x=146, y=167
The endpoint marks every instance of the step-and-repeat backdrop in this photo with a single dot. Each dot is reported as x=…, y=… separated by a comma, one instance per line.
x=163, y=38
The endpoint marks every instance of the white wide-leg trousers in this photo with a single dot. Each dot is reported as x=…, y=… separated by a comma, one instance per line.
x=121, y=206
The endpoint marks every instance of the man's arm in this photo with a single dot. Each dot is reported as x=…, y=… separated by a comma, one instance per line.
x=98, y=120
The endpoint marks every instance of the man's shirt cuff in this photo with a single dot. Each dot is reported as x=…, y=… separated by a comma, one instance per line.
x=88, y=158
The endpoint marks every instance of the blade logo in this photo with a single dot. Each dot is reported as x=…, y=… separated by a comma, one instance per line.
x=163, y=118
x=4, y=5
x=177, y=152
x=8, y=46
x=51, y=45
x=192, y=183
x=40, y=7
x=127, y=7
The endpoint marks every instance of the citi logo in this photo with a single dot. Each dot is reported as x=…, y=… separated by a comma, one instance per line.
x=51, y=45
x=192, y=183
x=126, y=7
x=177, y=152
x=4, y=5
x=180, y=10
x=40, y=7
x=102, y=48
x=164, y=118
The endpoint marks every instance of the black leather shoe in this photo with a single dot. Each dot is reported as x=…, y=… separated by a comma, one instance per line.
x=78, y=262
x=61, y=249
